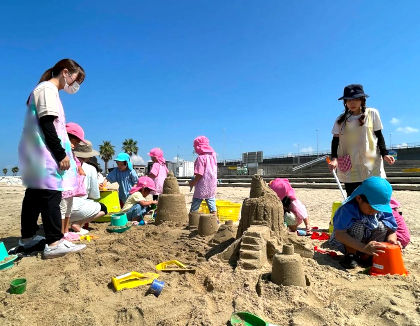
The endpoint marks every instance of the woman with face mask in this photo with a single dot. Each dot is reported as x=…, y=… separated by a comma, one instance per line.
x=46, y=160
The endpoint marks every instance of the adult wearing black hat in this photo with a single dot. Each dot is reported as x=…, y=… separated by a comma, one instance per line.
x=358, y=146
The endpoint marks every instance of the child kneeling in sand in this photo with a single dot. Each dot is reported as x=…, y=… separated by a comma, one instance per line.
x=294, y=211
x=136, y=205
x=361, y=223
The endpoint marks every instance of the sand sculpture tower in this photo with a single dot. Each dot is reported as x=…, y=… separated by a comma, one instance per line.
x=262, y=208
x=171, y=205
x=261, y=232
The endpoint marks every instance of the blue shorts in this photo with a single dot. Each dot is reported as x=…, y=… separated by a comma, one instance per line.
x=211, y=204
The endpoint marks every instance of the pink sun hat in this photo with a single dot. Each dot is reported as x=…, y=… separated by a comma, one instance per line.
x=158, y=154
x=202, y=145
x=74, y=129
x=143, y=182
x=282, y=188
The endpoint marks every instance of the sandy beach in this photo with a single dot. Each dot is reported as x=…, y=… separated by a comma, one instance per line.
x=76, y=289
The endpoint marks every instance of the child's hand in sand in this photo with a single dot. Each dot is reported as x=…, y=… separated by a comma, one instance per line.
x=374, y=248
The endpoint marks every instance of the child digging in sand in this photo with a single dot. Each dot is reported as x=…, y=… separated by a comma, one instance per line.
x=295, y=211
x=361, y=223
x=136, y=205
x=205, y=175
x=124, y=174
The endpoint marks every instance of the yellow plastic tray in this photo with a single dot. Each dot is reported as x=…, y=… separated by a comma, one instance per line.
x=173, y=266
x=132, y=280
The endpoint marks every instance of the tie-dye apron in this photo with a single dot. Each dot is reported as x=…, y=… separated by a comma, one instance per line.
x=38, y=166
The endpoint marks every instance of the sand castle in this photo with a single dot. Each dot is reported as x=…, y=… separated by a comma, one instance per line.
x=261, y=233
x=171, y=205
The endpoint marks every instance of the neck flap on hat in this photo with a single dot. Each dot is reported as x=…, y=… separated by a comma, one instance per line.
x=124, y=157
x=201, y=145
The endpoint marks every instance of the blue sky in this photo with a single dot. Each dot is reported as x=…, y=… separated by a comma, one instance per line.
x=250, y=75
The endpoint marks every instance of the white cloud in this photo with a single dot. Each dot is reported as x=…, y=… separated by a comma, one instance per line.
x=407, y=130
x=395, y=121
x=403, y=145
x=307, y=149
x=137, y=160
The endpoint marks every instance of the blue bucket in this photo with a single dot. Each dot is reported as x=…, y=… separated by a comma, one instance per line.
x=156, y=287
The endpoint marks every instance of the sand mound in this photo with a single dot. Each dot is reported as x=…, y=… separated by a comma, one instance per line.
x=76, y=290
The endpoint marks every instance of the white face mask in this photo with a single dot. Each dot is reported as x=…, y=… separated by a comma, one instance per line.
x=71, y=89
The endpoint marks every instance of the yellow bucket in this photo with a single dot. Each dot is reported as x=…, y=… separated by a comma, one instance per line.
x=112, y=202
x=334, y=208
x=228, y=211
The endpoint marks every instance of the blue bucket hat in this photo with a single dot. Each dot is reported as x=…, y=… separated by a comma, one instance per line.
x=378, y=192
x=124, y=157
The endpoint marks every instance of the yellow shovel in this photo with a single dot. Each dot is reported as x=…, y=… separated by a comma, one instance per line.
x=174, y=266
x=132, y=280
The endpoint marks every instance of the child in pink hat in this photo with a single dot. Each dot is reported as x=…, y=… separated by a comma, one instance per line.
x=205, y=175
x=136, y=204
x=76, y=135
x=403, y=233
x=295, y=211
x=159, y=171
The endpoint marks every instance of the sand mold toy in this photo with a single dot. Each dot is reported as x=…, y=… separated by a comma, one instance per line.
x=6, y=260
x=388, y=262
x=243, y=318
x=174, y=266
x=132, y=279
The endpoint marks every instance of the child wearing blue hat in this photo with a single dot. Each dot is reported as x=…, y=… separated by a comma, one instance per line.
x=124, y=174
x=361, y=223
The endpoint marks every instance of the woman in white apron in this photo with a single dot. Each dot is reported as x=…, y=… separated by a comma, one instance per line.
x=358, y=146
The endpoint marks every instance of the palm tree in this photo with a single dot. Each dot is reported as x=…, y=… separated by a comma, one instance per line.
x=15, y=170
x=130, y=146
x=106, y=150
x=4, y=171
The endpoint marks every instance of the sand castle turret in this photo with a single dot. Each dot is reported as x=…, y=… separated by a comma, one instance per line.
x=171, y=205
x=261, y=231
x=262, y=208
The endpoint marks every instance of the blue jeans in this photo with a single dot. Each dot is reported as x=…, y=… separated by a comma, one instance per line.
x=196, y=202
x=136, y=211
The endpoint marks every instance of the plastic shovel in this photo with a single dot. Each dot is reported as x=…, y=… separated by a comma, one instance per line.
x=132, y=280
x=174, y=266
x=243, y=318
x=336, y=180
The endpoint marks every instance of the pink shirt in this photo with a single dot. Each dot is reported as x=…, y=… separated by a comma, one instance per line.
x=206, y=166
x=158, y=173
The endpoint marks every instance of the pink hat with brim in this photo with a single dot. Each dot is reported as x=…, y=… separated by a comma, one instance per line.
x=158, y=154
x=75, y=130
x=202, y=145
x=143, y=182
x=394, y=203
x=282, y=188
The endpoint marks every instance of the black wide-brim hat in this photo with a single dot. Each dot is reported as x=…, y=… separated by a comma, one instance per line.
x=353, y=91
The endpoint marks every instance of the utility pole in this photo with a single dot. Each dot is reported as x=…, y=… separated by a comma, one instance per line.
x=316, y=130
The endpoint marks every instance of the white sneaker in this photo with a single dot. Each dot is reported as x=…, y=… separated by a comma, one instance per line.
x=62, y=248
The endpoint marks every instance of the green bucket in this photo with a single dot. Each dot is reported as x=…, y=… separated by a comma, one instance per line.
x=119, y=219
x=18, y=286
